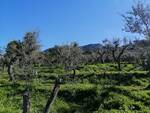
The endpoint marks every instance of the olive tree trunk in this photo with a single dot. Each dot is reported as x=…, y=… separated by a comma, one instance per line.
x=11, y=73
x=26, y=101
x=52, y=98
x=74, y=73
x=119, y=65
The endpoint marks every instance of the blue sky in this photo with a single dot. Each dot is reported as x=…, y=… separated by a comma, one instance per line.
x=62, y=21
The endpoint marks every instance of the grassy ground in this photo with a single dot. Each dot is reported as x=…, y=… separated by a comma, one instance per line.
x=99, y=88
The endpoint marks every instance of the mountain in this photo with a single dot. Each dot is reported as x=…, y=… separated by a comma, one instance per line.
x=90, y=47
x=87, y=47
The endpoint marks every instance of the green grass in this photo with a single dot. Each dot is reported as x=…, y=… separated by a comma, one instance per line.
x=99, y=88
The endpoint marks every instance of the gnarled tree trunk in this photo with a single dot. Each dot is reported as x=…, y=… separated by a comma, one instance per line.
x=26, y=101
x=119, y=65
x=52, y=97
x=11, y=73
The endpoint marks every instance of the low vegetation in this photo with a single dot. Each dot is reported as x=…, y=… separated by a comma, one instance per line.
x=93, y=92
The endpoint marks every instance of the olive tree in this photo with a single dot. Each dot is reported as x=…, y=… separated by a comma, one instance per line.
x=141, y=52
x=137, y=20
x=117, y=49
x=10, y=58
x=90, y=56
x=68, y=56
x=103, y=52
x=29, y=54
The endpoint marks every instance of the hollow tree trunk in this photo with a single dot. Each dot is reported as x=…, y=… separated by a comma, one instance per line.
x=11, y=73
x=52, y=98
x=26, y=101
